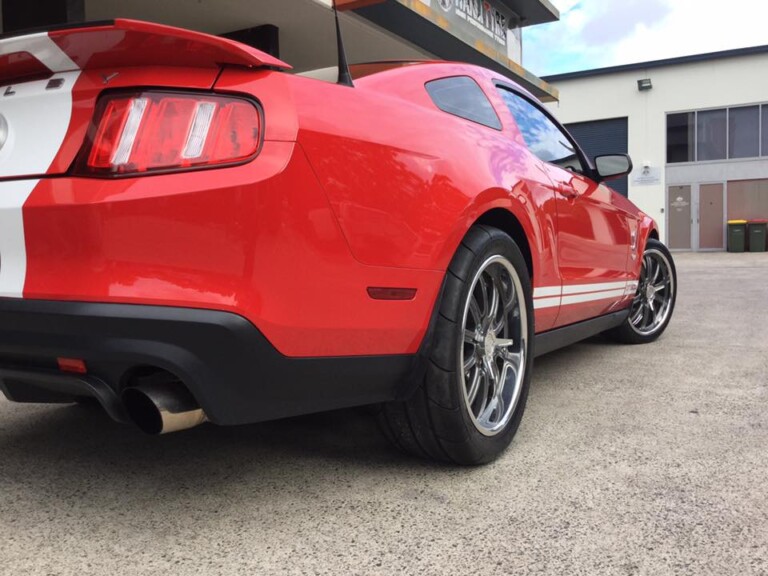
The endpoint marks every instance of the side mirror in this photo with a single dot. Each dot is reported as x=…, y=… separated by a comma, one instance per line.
x=612, y=166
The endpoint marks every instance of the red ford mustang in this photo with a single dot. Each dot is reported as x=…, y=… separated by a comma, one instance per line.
x=190, y=232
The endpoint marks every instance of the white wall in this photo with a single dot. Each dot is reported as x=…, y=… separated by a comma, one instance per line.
x=712, y=84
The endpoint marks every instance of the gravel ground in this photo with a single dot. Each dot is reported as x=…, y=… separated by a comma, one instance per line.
x=630, y=460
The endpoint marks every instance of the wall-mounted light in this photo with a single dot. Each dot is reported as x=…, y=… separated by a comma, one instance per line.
x=644, y=84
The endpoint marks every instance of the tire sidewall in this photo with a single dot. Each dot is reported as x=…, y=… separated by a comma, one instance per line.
x=654, y=244
x=490, y=446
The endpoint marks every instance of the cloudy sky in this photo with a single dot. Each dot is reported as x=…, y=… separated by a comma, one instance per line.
x=598, y=33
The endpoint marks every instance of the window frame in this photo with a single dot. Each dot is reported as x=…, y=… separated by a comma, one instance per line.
x=726, y=133
x=691, y=144
x=588, y=168
x=759, y=132
x=763, y=150
x=498, y=128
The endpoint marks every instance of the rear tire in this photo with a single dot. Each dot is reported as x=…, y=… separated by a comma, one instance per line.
x=654, y=300
x=470, y=402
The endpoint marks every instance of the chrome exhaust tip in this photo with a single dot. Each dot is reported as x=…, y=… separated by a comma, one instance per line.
x=162, y=408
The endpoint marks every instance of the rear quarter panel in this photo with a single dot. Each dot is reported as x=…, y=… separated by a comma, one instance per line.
x=407, y=180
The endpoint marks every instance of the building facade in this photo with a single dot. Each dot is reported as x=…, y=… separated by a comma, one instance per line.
x=302, y=33
x=696, y=128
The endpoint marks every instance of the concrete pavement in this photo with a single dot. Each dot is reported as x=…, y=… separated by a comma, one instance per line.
x=629, y=460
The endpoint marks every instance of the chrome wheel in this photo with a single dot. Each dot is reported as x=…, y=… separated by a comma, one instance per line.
x=655, y=294
x=492, y=353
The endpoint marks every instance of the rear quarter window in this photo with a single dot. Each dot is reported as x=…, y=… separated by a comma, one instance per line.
x=463, y=97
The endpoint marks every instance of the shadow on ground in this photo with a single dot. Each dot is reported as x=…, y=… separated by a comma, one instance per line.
x=58, y=439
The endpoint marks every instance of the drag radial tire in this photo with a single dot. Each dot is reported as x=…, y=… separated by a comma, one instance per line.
x=469, y=403
x=654, y=300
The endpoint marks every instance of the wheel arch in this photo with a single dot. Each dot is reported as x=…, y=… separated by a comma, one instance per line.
x=513, y=215
x=508, y=223
x=496, y=211
x=648, y=231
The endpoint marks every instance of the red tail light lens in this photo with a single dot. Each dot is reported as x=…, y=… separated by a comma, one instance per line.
x=155, y=131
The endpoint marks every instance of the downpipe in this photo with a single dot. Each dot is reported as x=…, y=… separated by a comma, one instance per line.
x=162, y=408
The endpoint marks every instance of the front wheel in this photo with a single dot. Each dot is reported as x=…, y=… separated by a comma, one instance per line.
x=654, y=300
x=469, y=403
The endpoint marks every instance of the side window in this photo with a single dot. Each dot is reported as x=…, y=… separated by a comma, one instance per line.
x=542, y=136
x=461, y=96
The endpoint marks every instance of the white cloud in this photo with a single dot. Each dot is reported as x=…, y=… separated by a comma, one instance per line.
x=694, y=28
x=595, y=33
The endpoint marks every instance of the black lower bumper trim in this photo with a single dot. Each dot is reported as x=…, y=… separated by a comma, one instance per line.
x=51, y=387
x=235, y=374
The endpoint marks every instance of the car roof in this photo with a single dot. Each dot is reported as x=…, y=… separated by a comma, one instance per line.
x=397, y=76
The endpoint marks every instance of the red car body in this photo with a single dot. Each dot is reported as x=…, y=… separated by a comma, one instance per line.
x=257, y=283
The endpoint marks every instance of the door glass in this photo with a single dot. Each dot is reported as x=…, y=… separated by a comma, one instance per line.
x=711, y=217
x=679, y=217
x=543, y=137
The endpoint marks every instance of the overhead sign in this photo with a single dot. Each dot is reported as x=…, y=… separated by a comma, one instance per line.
x=481, y=15
x=484, y=23
x=488, y=27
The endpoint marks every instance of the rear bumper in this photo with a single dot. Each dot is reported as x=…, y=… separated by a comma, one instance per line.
x=233, y=371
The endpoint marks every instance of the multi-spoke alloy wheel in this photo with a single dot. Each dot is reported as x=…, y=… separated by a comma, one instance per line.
x=492, y=354
x=471, y=396
x=653, y=301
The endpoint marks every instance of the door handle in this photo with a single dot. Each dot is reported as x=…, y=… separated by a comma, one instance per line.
x=563, y=190
x=566, y=191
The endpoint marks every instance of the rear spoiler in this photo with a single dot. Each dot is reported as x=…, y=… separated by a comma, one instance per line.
x=121, y=43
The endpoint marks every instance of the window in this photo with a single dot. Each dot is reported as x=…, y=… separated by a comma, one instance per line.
x=731, y=133
x=461, y=96
x=711, y=135
x=681, y=131
x=543, y=137
x=765, y=129
x=728, y=133
x=744, y=132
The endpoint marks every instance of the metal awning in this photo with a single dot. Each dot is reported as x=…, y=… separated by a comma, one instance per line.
x=425, y=28
x=533, y=11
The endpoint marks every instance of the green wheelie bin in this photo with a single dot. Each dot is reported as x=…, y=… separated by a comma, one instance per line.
x=737, y=235
x=756, y=231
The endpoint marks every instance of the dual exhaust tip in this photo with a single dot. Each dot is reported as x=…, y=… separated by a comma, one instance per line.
x=161, y=407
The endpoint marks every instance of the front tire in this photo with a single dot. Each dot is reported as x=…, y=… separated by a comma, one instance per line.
x=654, y=300
x=471, y=400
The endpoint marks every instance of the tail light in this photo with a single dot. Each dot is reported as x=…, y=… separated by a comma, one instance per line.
x=160, y=131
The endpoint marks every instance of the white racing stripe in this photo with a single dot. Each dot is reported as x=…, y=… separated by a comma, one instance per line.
x=582, y=288
x=555, y=296
x=13, y=251
x=546, y=292
x=546, y=303
x=37, y=115
x=593, y=297
x=41, y=47
x=38, y=120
